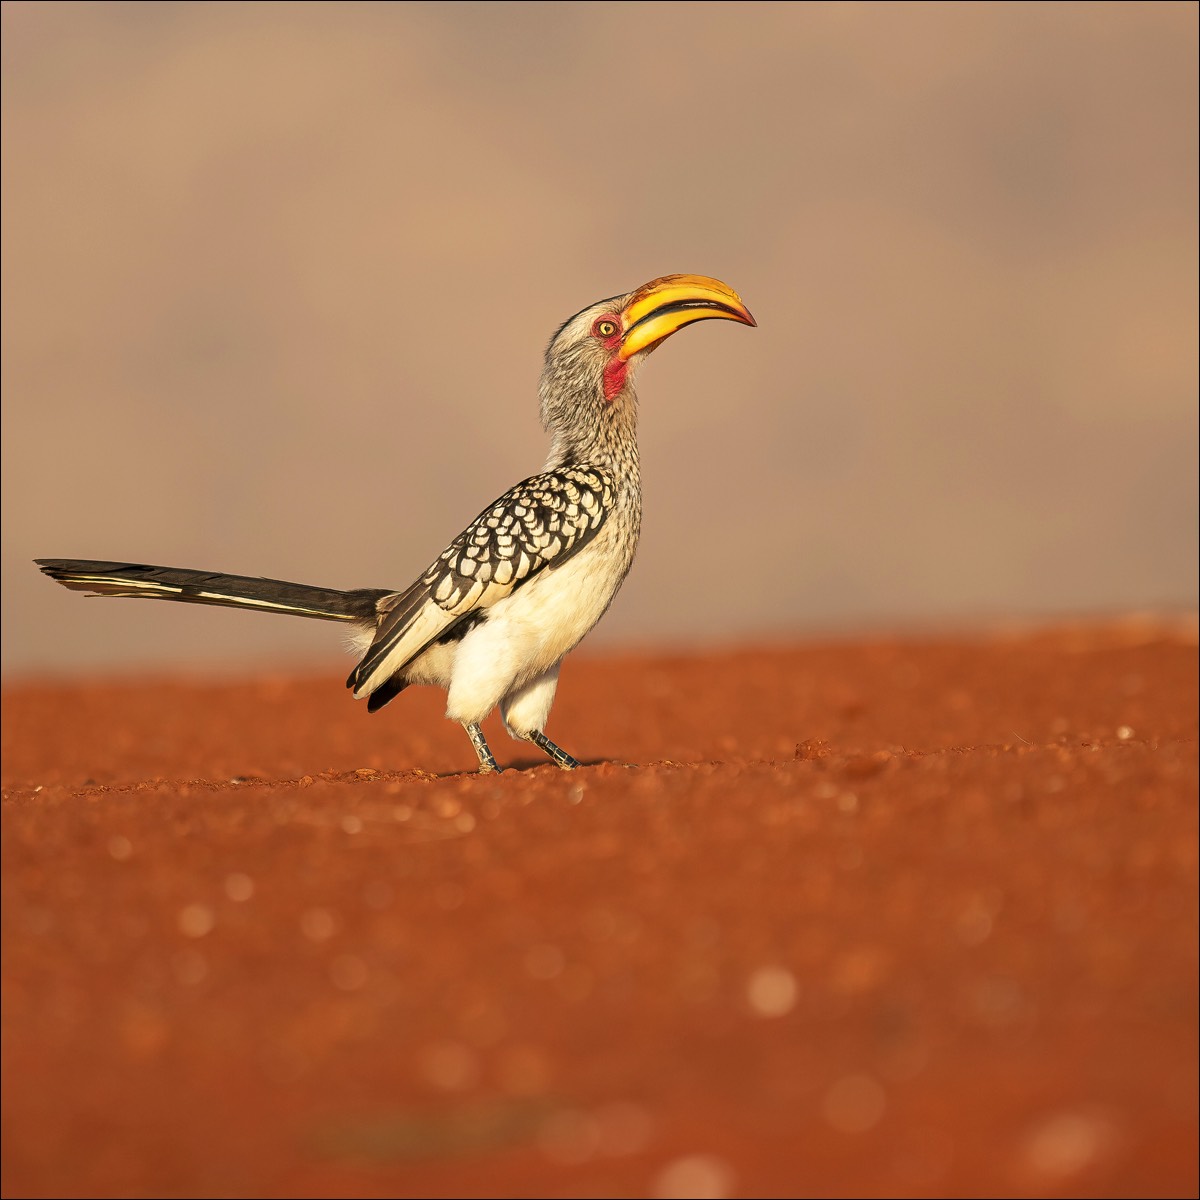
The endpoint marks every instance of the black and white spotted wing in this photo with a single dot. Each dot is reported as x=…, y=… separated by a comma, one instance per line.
x=539, y=523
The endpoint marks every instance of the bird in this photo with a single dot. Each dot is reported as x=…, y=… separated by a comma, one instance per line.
x=492, y=617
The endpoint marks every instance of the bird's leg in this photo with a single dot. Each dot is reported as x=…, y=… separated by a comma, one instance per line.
x=487, y=764
x=557, y=753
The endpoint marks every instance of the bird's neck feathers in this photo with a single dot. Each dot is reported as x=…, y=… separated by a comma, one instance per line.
x=587, y=427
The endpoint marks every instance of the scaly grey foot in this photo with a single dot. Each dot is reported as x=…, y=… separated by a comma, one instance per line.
x=487, y=764
x=557, y=753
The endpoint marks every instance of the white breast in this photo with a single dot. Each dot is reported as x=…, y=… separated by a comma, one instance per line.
x=529, y=631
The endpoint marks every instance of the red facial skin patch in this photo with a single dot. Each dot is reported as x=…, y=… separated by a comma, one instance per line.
x=614, y=379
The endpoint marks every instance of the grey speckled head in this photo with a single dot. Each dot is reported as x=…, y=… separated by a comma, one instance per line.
x=587, y=398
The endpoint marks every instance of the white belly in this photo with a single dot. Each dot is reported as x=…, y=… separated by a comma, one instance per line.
x=528, y=632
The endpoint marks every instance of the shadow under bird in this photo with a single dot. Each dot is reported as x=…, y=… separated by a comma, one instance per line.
x=494, y=615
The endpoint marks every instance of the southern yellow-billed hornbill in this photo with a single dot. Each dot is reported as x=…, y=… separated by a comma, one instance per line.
x=494, y=615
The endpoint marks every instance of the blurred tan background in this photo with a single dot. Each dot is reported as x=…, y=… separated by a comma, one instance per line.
x=277, y=280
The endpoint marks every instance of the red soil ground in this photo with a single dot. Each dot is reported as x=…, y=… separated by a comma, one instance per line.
x=896, y=918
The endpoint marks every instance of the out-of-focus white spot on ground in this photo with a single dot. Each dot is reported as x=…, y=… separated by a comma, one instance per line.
x=854, y=1104
x=771, y=991
x=196, y=920
x=694, y=1177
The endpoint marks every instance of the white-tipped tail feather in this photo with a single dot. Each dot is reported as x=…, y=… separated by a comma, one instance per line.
x=141, y=582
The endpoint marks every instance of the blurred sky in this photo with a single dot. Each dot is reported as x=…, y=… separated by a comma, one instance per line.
x=278, y=278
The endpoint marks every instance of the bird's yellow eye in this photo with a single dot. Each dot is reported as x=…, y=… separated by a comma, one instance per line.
x=606, y=329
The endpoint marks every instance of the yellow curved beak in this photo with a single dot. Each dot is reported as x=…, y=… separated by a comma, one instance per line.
x=657, y=309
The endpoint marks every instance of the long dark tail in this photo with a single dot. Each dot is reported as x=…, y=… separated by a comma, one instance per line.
x=207, y=587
